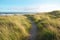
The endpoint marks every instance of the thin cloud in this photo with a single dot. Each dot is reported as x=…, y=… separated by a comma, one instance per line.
x=34, y=8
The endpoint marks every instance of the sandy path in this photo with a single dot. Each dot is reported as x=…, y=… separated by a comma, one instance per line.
x=33, y=31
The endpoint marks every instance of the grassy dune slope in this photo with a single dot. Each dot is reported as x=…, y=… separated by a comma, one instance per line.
x=48, y=25
x=18, y=27
x=14, y=27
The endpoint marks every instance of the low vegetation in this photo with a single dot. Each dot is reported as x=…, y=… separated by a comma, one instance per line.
x=14, y=27
x=48, y=25
x=17, y=27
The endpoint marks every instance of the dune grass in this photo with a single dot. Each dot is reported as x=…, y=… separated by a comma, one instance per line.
x=14, y=28
x=48, y=25
x=17, y=27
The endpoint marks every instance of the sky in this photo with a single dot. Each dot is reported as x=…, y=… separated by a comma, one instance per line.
x=29, y=5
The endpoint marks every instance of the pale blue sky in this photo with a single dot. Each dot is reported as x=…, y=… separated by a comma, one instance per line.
x=29, y=5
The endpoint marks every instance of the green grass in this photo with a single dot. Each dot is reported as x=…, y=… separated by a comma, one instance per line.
x=17, y=27
x=14, y=28
x=48, y=25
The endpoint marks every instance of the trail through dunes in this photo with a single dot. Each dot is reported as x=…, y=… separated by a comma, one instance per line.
x=33, y=30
